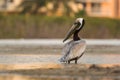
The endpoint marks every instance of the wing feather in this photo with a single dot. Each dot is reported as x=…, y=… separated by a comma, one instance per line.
x=77, y=49
x=73, y=49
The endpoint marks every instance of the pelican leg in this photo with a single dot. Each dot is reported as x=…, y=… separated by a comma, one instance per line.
x=76, y=58
x=68, y=61
x=76, y=61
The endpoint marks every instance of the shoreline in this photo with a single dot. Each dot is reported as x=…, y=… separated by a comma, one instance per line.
x=42, y=65
x=78, y=70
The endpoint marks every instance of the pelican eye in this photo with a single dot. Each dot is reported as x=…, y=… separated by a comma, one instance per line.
x=78, y=25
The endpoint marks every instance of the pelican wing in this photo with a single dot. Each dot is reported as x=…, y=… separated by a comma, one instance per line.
x=66, y=51
x=73, y=49
x=77, y=49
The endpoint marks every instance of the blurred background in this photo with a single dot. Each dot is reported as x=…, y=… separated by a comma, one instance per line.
x=31, y=33
x=31, y=19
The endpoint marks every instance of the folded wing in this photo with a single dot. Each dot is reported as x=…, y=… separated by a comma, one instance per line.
x=73, y=49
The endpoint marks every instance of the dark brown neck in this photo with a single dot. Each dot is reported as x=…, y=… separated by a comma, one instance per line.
x=75, y=36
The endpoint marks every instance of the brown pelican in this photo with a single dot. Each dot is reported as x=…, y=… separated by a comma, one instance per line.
x=75, y=48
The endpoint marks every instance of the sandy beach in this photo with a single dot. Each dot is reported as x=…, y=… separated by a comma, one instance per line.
x=66, y=72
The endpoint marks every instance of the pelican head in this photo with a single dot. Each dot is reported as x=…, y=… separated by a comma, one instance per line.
x=76, y=27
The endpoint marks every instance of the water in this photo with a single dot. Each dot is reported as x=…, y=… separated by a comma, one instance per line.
x=87, y=58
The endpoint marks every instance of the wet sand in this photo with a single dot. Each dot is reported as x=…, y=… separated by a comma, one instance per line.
x=67, y=72
x=52, y=69
x=47, y=67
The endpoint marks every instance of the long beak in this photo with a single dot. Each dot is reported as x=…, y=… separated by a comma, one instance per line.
x=70, y=32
